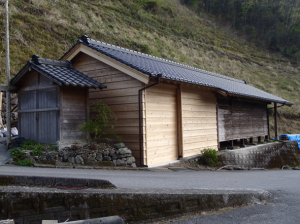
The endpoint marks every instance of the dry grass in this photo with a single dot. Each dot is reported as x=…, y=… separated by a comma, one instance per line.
x=49, y=28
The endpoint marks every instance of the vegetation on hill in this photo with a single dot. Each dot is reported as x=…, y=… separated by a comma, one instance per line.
x=273, y=24
x=164, y=28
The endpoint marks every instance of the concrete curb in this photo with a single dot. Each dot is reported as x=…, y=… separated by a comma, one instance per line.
x=54, y=182
x=31, y=205
x=105, y=220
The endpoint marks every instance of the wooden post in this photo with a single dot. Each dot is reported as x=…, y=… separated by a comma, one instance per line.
x=1, y=122
x=179, y=121
x=217, y=117
x=275, y=120
x=8, y=114
x=242, y=142
x=268, y=121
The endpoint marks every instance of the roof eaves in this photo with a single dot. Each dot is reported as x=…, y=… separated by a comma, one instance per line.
x=88, y=42
x=19, y=74
x=49, y=76
x=78, y=42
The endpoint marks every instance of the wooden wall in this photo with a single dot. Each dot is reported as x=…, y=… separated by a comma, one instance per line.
x=121, y=95
x=241, y=119
x=73, y=113
x=38, y=108
x=161, y=124
x=199, y=120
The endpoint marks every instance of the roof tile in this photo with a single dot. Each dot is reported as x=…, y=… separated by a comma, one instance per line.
x=60, y=72
x=153, y=66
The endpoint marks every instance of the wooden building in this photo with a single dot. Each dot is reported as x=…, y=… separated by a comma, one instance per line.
x=53, y=101
x=168, y=110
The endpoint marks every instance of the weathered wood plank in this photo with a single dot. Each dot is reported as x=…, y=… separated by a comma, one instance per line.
x=199, y=138
x=198, y=145
x=114, y=93
x=199, y=120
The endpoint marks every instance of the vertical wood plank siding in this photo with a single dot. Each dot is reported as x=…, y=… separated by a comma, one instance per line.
x=73, y=110
x=161, y=119
x=121, y=95
x=241, y=120
x=36, y=125
x=199, y=120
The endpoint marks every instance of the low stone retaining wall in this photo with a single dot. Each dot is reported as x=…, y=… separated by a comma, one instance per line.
x=93, y=154
x=271, y=155
x=32, y=205
x=54, y=182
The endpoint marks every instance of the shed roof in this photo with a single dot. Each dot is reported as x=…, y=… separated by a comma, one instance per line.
x=59, y=72
x=171, y=70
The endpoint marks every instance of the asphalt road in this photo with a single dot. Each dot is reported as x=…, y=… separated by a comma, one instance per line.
x=284, y=184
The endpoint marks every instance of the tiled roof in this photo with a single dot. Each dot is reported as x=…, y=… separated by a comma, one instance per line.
x=59, y=72
x=170, y=70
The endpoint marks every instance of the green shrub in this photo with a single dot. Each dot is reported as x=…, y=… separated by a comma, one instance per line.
x=29, y=145
x=209, y=157
x=37, y=152
x=16, y=153
x=25, y=162
x=40, y=147
x=145, y=49
x=53, y=147
x=102, y=123
x=152, y=5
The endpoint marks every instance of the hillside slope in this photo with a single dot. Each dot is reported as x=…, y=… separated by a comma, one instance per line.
x=164, y=28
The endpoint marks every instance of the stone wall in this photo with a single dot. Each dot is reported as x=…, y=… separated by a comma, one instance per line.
x=93, y=154
x=269, y=156
x=32, y=205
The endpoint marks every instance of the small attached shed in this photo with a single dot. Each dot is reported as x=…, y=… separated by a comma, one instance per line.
x=53, y=101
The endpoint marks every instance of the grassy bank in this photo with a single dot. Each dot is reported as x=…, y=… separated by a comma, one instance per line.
x=163, y=28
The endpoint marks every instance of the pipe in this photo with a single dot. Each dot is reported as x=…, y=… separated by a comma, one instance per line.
x=159, y=76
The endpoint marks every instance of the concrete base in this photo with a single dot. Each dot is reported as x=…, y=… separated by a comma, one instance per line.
x=32, y=205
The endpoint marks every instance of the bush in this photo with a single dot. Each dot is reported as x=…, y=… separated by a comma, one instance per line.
x=25, y=162
x=101, y=124
x=29, y=145
x=16, y=153
x=53, y=147
x=209, y=157
x=37, y=152
x=40, y=147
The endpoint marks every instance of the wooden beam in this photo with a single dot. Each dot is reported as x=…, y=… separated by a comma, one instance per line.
x=109, y=61
x=8, y=88
x=275, y=119
x=259, y=139
x=1, y=122
x=7, y=52
x=179, y=121
x=268, y=120
x=217, y=117
x=242, y=142
x=38, y=110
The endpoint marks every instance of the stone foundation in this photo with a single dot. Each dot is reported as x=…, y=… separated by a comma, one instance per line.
x=269, y=156
x=93, y=154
